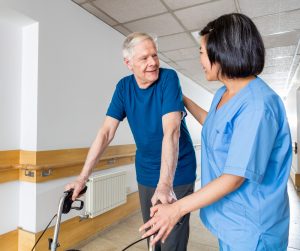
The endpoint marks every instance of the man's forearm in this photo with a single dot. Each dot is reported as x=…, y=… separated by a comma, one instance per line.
x=104, y=137
x=99, y=145
x=169, y=157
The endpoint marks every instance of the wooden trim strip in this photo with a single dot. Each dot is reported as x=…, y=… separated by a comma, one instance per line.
x=108, y=159
x=9, y=157
x=8, y=173
x=9, y=241
x=70, y=155
x=38, y=174
x=73, y=231
x=296, y=179
x=27, y=157
x=49, y=165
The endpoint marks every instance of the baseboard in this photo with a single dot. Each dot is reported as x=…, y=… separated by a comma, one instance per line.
x=72, y=231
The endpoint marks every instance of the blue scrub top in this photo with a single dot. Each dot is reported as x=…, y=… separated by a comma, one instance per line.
x=144, y=109
x=248, y=136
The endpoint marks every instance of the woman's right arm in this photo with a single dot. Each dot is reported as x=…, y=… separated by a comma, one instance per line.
x=198, y=113
x=165, y=216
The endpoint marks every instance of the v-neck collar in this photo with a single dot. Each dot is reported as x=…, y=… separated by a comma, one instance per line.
x=232, y=100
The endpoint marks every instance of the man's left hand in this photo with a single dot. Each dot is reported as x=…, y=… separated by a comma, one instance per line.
x=163, y=194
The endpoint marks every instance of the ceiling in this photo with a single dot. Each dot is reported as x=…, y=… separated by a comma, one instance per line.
x=176, y=22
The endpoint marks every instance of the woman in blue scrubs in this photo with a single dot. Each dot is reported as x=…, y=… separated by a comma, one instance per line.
x=246, y=147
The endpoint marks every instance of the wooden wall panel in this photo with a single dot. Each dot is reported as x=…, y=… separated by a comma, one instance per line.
x=28, y=157
x=296, y=179
x=71, y=155
x=8, y=173
x=9, y=241
x=31, y=166
x=8, y=169
x=9, y=157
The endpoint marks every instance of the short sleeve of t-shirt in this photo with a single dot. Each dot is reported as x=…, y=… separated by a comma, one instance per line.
x=252, y=140
x=116, y=108
x=172, y=95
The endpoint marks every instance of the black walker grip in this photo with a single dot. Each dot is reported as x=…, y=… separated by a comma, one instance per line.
x=67, y=206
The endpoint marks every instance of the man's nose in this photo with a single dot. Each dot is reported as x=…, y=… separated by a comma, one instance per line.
x=151, y=61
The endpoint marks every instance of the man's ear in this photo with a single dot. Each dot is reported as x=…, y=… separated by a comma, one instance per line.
x=128, y=63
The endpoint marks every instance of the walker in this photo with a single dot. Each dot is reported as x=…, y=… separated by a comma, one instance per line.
x=64, y=207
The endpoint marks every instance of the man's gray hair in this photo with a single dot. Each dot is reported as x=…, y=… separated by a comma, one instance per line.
x=133, y=39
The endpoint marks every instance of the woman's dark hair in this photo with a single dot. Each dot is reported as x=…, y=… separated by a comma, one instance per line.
x=234, y=42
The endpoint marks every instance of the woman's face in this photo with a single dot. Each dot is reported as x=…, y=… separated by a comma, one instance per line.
x=211, y=70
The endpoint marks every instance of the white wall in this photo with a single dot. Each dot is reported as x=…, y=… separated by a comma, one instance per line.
x=79, y=63
x=296, y=79
x=29, y=87
x=292, y=104
x=10, y=83
x=9, y=210
x=28, y=206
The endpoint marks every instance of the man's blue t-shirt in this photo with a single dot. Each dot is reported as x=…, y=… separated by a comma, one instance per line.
x=144, y=109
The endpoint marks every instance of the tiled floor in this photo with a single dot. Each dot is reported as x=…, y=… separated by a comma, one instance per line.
x=118, y=237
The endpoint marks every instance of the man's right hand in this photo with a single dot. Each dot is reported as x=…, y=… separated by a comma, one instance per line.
x=77, y=185
x=163, y=194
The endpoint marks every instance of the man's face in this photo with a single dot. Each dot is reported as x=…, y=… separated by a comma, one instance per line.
x=144, y=63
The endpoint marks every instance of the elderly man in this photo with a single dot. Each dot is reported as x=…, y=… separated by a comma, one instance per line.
x=151, y=99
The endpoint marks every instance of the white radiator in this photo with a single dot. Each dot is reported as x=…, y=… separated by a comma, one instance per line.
x=105, y=192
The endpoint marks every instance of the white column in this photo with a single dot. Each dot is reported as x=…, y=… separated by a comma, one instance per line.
x=28, y=135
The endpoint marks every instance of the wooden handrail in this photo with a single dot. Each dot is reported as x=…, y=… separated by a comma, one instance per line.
x=69, y=164
x=49, y=165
